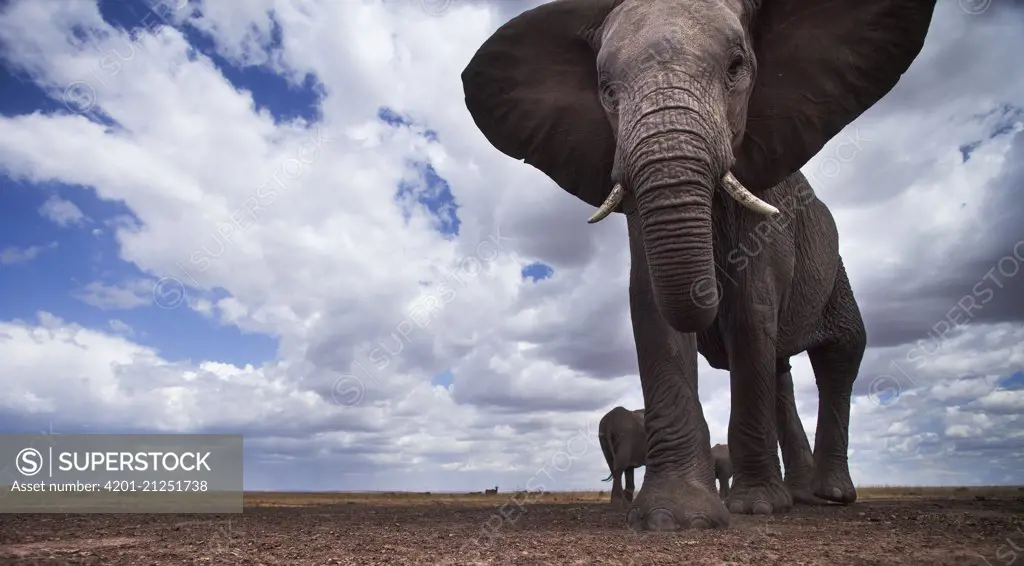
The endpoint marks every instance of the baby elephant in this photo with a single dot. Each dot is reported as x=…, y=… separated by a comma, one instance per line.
x=723, y=468
x=624, y=444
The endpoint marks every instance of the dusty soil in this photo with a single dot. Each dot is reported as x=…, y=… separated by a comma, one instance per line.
x=960, y=527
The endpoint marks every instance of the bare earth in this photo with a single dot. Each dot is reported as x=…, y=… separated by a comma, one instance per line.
x=933, y=526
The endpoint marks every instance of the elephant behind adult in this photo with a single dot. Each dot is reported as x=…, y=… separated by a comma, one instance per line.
x=624, y=444
x=682, y=114
x=723, y=468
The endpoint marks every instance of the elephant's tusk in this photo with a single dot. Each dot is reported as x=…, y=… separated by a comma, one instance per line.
x=609, y=204
x=746, y=198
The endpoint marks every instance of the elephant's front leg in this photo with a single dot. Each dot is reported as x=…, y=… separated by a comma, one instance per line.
x=757, y=486
x=679, y=481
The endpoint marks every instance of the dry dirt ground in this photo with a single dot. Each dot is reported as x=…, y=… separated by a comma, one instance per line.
x=886, y=526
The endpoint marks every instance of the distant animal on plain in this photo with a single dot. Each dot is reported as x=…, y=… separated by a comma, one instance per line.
x=624, y=444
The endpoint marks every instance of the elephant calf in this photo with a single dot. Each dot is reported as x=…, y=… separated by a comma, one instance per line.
x=624, y=443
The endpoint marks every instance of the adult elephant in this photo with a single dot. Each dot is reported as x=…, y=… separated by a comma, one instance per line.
x=624, y=444
x=649, y=107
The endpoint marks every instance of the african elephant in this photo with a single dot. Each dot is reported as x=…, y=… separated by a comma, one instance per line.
x=624, y=444
x=693, y=119
x=723, y=468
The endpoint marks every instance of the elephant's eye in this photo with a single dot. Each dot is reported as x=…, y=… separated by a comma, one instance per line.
x=735, y=66
x=610, y=92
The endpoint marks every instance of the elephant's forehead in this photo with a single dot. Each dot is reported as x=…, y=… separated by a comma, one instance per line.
x=648, y=33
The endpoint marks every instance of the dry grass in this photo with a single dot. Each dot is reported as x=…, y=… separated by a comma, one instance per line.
x=305, y=499
x=955, y=492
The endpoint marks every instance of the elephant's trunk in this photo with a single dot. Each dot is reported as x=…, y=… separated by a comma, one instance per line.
x=673, y=199
x=676, y=223
x=675, y=155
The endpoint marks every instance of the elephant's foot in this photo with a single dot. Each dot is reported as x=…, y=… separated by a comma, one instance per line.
x=667, y=503
x=803, y=494
x=800, y=485
x=833, y=483
x=759, y=497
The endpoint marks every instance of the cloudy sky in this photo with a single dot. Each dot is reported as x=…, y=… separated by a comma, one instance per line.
x=276, y=218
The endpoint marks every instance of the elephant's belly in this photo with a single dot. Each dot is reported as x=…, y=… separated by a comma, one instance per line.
x=711, y=345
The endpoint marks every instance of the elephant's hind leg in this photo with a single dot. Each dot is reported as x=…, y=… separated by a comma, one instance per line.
x=618, y=497
x=797, y=457
x=836, y=361
x=679, y=482
x=723, y=486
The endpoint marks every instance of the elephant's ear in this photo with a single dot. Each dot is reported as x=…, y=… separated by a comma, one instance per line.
x=532, y=89
x=820, y=65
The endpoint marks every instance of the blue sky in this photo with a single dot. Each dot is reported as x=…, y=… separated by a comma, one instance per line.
x=412, y=307
x=84, y=250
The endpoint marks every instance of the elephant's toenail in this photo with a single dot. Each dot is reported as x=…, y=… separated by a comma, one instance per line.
x=762, y=508
x=837, y=494
x=736, y=507
x=699, y=522
x=661, y=520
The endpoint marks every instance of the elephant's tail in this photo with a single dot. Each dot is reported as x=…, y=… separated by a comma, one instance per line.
x=607, y=450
